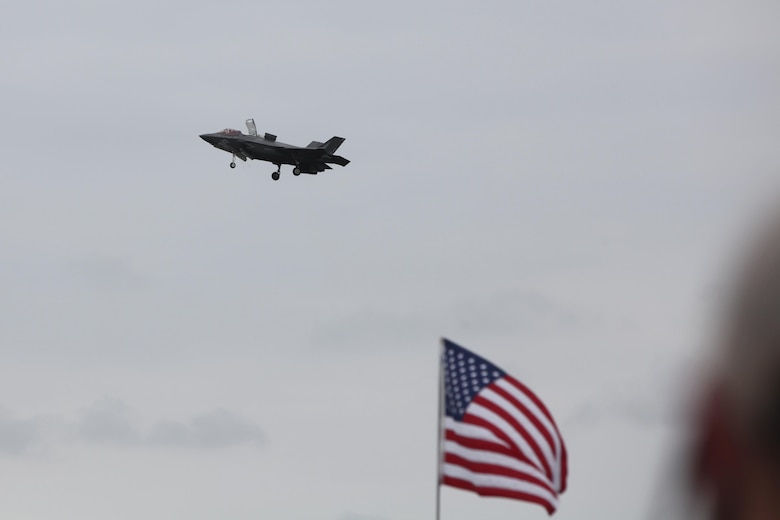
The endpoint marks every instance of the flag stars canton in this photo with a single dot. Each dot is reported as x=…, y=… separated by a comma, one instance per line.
x=465, y=375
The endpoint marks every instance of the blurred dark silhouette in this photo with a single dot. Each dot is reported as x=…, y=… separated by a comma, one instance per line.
x=734, y=455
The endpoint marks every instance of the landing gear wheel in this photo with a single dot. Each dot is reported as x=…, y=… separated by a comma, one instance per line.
x=275, y=176
x=296, y=171
x=232, y=165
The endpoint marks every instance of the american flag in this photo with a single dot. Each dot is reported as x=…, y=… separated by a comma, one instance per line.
x=498, y=438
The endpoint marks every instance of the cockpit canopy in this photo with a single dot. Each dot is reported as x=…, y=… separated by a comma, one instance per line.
x=230, y=131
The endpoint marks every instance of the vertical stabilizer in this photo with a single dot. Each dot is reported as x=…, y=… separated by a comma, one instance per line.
x=332, y=144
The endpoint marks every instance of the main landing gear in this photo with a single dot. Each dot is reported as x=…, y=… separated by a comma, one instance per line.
x=275, y=175
x=296, y=171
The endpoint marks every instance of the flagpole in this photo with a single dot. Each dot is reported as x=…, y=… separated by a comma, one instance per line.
x=439, y=432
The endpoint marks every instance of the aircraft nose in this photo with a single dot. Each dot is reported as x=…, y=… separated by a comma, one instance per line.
x=209, y=138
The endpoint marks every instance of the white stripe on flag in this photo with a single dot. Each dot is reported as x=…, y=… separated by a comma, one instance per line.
x=497, y=459
x=525, y=423
x=472, y=431
x=500, y=423
x=481, y=480
x=522, y=398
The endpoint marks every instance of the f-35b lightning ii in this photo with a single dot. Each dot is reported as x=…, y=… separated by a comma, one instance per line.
x=312, y=159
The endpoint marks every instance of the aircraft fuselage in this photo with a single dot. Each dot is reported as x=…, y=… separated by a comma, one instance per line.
x=311, y=159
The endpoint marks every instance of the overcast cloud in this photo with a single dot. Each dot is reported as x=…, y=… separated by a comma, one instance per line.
x=554, y=185
x=111, y=422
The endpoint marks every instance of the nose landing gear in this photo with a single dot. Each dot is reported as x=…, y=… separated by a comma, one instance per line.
x=233, y=162
x=275, y=175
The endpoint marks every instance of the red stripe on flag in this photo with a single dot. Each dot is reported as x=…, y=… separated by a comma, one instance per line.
x=498, y=492
x=501, y=412
x=564, y=467
x=482, y=444
x=495, y=430
x=494, y=469
x=530, y=415
x=532, y=396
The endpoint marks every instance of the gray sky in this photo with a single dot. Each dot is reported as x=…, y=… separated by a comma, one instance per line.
x=559, y=186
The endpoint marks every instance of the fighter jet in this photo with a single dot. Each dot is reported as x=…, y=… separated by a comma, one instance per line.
x=312, y=159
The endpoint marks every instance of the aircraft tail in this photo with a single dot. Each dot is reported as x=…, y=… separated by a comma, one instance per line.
x=337, y=159
x=330, y=146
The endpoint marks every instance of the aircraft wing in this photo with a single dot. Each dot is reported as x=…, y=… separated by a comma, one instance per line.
x=307, y=154
x=311, y=160
x=301, y=155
